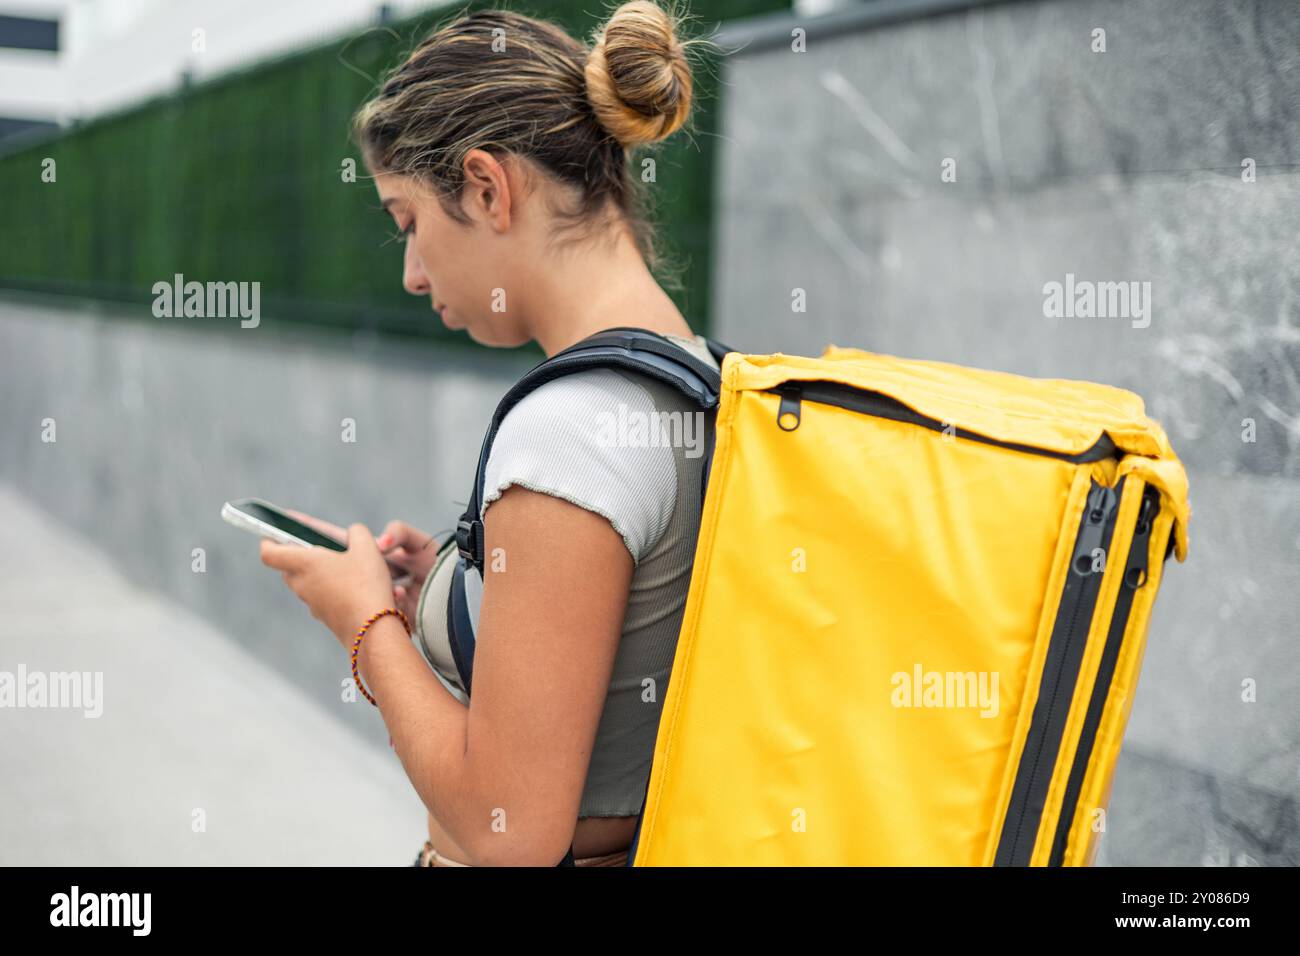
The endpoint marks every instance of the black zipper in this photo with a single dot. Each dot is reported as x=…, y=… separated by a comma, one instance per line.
x=1135, y=576
x=884, y=406
x=1074, y=614
x=1060, y=672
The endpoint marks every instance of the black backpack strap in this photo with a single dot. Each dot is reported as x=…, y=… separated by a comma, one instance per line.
x=623, y=347
x=460, y=627
x=636, y=350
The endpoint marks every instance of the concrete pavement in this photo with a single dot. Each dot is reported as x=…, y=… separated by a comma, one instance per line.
x=202, y=755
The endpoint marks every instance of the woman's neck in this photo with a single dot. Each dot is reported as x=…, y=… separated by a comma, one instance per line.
x=601, y=291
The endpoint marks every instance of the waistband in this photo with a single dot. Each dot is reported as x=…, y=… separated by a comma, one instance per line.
x=429, y=856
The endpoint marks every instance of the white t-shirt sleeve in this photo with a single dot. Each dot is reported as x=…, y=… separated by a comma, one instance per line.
x=591, y=438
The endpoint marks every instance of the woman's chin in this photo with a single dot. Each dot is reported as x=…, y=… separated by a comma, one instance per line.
x=484, y=333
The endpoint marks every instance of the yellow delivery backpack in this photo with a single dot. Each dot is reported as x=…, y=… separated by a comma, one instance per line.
x=917, y=609
x=917, y=614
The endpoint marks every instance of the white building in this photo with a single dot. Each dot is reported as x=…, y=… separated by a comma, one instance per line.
x=66, y=60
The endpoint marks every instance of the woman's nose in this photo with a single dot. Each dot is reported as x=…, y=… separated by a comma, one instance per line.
x=413, y=278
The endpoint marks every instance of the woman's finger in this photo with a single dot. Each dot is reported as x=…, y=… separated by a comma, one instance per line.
x=401, y=534
x=358, y=535
x=283, y=557
x=400, y=557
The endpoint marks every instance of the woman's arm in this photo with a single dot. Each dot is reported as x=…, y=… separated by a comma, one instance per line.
x=505, y=776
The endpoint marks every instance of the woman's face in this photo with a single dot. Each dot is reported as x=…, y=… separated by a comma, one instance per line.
x=459, y=267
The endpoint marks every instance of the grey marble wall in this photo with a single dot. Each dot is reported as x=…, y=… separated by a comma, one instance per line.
x=157, y=425
x=1123, y=165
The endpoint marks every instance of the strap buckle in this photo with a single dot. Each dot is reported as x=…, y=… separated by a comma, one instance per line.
x=469, y=539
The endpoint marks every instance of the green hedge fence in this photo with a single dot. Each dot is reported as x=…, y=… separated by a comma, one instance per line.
x=239, y=179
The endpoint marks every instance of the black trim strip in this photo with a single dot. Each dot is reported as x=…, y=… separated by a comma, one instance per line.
x=1060, y=673
x=885, y=406
x=460, y=627
x=1134, y=577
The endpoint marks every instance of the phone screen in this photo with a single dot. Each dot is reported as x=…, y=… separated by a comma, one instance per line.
x=296, y=528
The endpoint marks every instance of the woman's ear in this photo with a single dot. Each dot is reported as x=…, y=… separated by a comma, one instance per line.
x=488, y=188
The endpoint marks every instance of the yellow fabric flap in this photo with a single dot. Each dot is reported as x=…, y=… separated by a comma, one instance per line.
x=1060, y=415
x=1169, y=476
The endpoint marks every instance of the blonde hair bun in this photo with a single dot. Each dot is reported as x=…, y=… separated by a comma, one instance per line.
x=638, y=77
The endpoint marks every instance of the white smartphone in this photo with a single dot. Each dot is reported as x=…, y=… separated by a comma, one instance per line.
x=271, y=521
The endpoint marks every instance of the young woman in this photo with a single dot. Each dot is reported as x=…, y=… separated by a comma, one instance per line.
x=501, y=149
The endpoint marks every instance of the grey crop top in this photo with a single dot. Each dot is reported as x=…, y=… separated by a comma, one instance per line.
x=629, y=448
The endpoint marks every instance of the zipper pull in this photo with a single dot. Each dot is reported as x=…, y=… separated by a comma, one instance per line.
x=787, y=413
x=1135, y=572
x=1101, y=502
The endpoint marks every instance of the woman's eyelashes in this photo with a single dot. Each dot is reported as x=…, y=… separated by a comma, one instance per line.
x=403, y=232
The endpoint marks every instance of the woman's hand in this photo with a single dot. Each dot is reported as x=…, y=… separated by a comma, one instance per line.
x=340, y=588
x=411, y=549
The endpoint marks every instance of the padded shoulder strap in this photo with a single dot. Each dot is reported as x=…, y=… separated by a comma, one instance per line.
x=636, y=350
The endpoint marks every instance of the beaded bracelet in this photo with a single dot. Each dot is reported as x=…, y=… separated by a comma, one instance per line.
x=356, y=645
